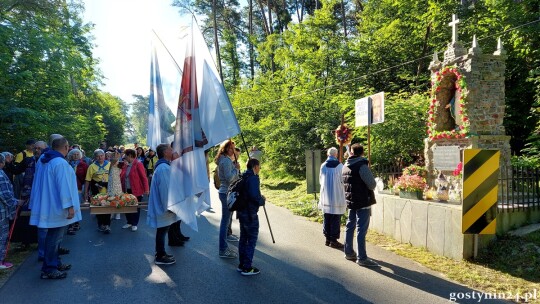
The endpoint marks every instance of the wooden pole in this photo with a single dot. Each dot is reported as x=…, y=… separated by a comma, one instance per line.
x=369, y=144
x=340, y=142
x=370, y=119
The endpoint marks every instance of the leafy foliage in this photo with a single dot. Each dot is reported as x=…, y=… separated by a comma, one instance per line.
x=319, y=72
x=48, y=77
x=140, y=112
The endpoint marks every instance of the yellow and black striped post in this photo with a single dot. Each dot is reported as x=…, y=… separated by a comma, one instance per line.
x=480, y=188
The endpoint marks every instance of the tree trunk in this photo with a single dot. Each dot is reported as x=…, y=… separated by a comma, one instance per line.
x=216, y=42
x=270, y=16
x=424, y=51
x=265, y=22
x=343, y=18
x=271, y=31
x=303, y=4
x=250, y=31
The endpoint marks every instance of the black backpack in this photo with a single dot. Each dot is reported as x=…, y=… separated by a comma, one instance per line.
x=236, y=195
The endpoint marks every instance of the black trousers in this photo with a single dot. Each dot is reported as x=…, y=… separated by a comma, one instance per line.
x=160, y=241
x=175, y=233
x=331, y=226
x=103, y=219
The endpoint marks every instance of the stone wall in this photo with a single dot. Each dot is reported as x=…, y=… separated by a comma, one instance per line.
x=486, y=100
x=434, y=226
x=437, y=226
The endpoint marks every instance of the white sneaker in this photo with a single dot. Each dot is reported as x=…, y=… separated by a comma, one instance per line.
x=133, y=228
x=126, y=226
x=117, y=216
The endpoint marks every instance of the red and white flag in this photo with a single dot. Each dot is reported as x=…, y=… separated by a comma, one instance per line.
x=204, y=118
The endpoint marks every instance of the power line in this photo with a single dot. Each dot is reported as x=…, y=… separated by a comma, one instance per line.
x=382, y=70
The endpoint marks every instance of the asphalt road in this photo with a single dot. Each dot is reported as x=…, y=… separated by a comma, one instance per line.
x=298, y=268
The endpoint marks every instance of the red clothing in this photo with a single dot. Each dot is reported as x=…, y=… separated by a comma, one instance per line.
x=137, y=178
x=80, y=172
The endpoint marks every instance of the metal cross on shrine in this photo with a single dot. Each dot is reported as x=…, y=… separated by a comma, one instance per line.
x=454, y=24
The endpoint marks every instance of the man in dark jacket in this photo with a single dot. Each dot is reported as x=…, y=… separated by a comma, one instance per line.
x=359, y=184
x=249, y=220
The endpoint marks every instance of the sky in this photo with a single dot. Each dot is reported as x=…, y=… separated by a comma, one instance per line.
x=123, y=38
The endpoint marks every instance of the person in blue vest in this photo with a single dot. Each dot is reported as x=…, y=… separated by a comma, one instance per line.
x=359, y=184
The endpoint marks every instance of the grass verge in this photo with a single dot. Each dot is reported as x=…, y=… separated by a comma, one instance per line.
x=510, y=266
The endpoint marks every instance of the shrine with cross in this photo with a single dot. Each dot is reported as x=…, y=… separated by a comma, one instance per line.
x=467, y=102
x=467, y=108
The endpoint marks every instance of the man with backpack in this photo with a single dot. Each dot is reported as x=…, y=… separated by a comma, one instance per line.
x=249, y=220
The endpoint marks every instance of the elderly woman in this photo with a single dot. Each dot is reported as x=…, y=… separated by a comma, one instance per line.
x=9, y=167
x=134, y=181
x=7, y=209
x=75, y=160
x=96, y=181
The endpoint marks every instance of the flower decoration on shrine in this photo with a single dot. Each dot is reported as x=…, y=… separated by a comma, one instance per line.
x=411, y=183
x=462, y=130
x=343, y=134
x=415, y=170
x=458, y=172
x=117, y=201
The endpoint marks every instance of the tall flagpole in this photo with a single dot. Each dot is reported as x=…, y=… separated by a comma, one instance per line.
x=176, y=63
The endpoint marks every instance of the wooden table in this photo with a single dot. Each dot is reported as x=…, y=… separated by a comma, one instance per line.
x=103, y=209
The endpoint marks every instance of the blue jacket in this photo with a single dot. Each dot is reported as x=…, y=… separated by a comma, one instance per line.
x=253, y=192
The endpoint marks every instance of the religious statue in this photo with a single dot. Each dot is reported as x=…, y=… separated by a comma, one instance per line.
x=442, y=188
x=447, y=110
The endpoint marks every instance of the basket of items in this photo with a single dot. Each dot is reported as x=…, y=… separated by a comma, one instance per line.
x=105, y=204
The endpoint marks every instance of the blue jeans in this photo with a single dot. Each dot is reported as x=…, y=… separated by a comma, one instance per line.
x=249, y=233
x=331, y=226
x=42, y=234
x=52, y=243
x=225, y=218
x=358, y=218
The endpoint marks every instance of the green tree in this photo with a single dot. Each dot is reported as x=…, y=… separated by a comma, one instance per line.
x=140, y=112
x=400, y=139
x=48, y=77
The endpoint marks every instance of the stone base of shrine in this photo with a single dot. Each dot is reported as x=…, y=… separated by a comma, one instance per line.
x=433, y=225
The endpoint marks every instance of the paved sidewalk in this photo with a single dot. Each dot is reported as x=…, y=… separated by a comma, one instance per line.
x=298, y=268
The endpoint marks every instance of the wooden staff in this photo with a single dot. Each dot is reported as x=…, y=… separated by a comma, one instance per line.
x=341, y=141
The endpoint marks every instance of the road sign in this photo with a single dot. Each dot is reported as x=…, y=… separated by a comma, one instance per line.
x=369, y=110
x=480, y=188
x=361, y=107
